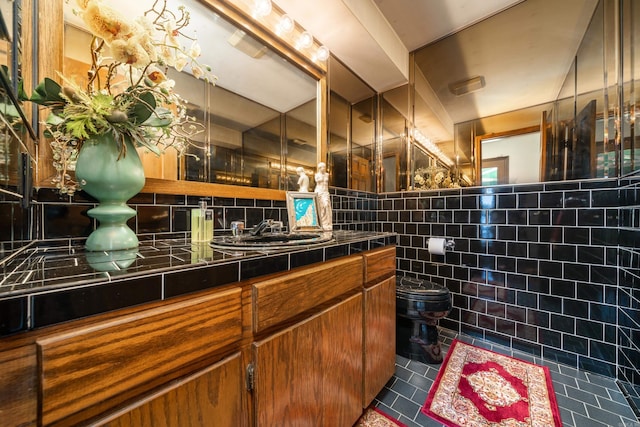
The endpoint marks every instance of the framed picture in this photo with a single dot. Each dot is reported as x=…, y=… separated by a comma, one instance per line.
x=302, y=209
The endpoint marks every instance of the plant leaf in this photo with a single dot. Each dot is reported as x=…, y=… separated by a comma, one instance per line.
x=22, y=95
x=47, y=93
x=140, y=141
x=143, y=108
x=54, y=119
x=162, y=117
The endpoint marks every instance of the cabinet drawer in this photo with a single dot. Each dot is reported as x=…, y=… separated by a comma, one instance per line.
x=119, y=358
x=280, y=299
x=379, y=264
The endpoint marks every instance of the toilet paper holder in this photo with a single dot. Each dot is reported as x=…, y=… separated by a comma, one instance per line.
x=449, y=243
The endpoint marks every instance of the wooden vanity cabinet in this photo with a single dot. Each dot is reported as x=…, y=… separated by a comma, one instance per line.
x=312, y=346
x=323, y=370
x=18, y=386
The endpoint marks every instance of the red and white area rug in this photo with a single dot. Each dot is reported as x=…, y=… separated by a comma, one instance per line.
x=478, y=387
x=374, y=417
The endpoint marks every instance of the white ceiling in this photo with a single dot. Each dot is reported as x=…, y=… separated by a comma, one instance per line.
x=524, y=49
x=419, y=23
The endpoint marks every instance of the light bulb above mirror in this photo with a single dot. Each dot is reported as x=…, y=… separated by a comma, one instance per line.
x=261, y=8
x=285, y=25
x=305, y=41
x=322, y=54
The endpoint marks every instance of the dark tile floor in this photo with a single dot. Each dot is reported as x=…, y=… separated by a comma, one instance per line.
x=585, y=399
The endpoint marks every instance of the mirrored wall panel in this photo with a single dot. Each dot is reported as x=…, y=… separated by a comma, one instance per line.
x=258, y=121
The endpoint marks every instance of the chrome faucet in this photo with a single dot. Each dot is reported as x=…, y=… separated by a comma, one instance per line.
x=262, y=225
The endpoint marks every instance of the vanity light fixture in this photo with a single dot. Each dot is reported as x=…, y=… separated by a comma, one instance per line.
x=432, y=148
x=262, y=8
x=270, y=17
x=247, y=44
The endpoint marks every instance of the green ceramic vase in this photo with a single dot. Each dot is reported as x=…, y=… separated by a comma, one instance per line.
x=112, y=181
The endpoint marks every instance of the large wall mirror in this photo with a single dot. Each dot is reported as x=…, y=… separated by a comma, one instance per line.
x=352, y=120
x=556, y=104
x=260, y=120
x=584, y=129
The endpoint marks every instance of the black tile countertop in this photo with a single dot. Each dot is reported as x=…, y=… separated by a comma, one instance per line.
x=44, y=285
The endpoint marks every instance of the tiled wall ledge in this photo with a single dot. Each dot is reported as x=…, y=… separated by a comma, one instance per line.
x=49, y=284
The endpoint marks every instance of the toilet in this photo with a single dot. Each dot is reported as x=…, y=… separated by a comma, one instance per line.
x=419, y=306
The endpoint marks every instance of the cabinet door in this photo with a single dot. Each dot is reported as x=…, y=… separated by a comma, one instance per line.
x=379, y=337
x=310, y=374
x=211, y=397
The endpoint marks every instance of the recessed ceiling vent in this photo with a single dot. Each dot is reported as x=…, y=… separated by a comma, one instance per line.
x=466, y=86
x=365, y=118
x=247, y=44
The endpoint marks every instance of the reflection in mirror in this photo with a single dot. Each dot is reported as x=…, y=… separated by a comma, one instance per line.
x=259, y=119
x=429, y=173
x=589, y=130
x=509, y=159
x=435, y=158
x=17, y=137
x=394, y=114
x=581, y=148
x=631, y=71
x=9, y=137
x=363, y=145
x=508, y=147
x=340, y=117
x=351, y=130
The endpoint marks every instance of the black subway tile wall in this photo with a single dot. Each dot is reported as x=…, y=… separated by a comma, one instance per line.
x=355, y=210
x=534, y=266
x=628, y=291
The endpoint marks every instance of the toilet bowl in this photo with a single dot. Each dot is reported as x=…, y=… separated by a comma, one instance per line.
x=419, y=306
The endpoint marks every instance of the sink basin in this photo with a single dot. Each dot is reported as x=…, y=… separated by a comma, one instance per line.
x=270, y=241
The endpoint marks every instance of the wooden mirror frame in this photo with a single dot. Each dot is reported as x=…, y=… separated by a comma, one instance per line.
x=50, y=39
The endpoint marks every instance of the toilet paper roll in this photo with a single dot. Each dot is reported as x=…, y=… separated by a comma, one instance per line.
x=437, y=246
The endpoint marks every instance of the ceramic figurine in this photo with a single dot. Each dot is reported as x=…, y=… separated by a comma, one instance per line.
x=303, y=182
x=324, y=199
